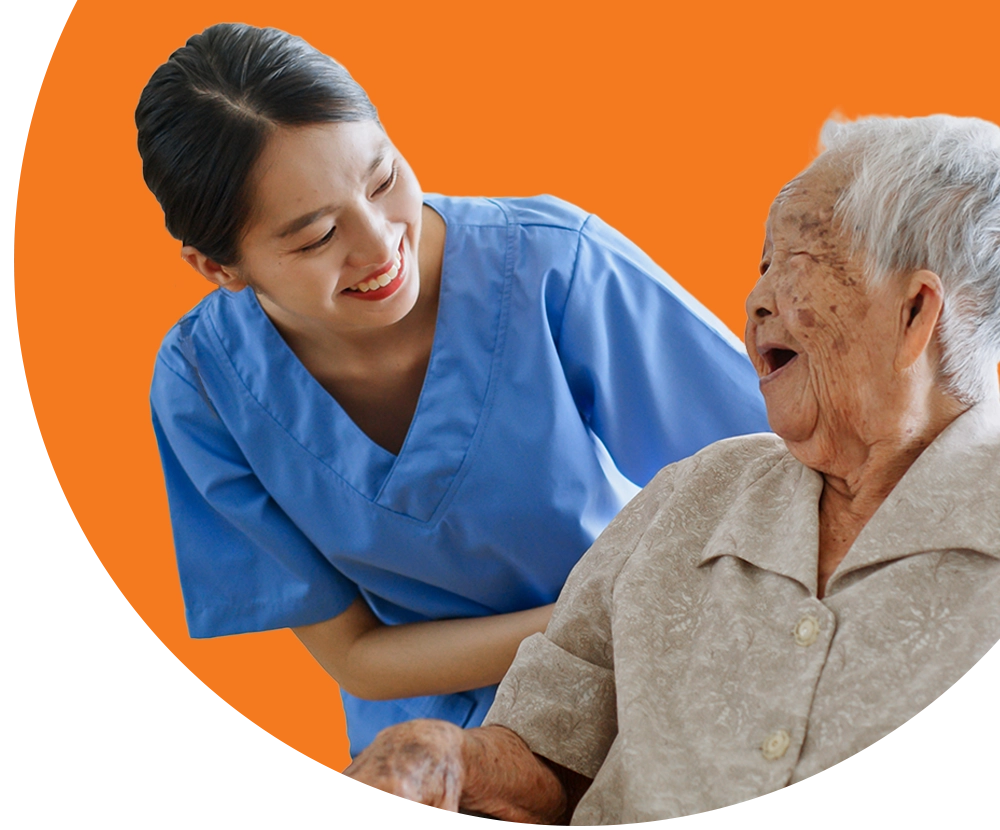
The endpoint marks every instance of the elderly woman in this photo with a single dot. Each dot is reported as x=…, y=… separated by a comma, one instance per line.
x=774, y=604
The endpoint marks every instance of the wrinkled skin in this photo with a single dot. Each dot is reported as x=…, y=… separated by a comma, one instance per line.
x=812, y=299
x=487, y=770
x=849, y=370
x=420, y=760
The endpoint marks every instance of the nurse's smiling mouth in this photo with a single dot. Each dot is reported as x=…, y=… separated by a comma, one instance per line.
x=382, y=284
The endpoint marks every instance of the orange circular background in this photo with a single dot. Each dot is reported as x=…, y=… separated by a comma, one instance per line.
x=677, y=126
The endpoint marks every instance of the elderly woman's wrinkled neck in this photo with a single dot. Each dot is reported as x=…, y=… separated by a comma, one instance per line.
x=848, y=369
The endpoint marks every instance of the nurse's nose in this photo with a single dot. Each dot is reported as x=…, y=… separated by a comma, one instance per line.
x=374, y=242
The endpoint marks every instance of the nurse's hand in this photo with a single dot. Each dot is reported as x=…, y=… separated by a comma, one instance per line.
x=420, y=760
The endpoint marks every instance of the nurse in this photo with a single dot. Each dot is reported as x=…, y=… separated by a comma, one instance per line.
x=402, y=418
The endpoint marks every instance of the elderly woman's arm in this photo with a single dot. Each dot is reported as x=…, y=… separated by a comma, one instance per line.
x=489, y=770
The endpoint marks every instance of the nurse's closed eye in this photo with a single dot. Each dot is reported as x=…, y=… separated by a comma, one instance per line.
x=386, y=186
x=319, y=243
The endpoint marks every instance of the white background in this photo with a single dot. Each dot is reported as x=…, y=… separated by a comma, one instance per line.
x=102, y=725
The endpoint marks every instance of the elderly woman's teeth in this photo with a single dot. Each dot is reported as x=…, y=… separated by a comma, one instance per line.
x=380, y=281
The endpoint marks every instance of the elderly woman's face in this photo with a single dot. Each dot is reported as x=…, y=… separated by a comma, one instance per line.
x=817, y=336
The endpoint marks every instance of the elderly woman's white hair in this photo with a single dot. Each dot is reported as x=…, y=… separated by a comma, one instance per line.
x=924, y=193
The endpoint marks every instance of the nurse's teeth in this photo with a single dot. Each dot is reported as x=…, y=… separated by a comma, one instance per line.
x=380, y=281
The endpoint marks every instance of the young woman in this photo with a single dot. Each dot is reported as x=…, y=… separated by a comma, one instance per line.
x=401, y=420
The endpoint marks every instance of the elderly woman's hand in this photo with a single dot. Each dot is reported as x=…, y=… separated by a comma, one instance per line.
x=488, y=770
x=420, y=760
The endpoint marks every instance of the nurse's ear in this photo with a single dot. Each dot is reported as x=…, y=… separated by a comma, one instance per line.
x=221, y=275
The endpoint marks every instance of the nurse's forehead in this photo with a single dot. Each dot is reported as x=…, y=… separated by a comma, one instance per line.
x=305, y=175
x=317, y=153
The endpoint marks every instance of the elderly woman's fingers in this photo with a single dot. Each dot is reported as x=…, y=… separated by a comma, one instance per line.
x=435, y=782
x=420, y=760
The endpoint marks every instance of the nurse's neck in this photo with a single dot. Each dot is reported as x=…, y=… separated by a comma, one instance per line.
x=377, y=374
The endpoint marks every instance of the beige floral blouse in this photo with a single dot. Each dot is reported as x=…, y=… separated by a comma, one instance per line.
x=689, y=664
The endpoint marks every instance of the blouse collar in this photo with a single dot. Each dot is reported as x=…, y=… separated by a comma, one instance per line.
x=949, y=499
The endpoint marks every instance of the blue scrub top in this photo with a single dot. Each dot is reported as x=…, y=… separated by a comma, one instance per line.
x=552, y=330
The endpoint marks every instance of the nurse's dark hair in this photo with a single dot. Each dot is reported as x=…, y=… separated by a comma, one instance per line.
x=205, y=116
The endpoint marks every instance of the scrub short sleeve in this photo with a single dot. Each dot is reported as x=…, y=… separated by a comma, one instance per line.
x=559, y=694
x=654, y=374
x=244, y=565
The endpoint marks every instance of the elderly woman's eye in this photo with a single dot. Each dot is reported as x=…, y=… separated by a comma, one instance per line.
x=764, y=265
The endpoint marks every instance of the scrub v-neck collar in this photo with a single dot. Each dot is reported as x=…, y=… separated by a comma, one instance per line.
x=453, y=399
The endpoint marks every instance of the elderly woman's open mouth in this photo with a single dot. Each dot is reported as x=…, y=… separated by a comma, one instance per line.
x=775, y=359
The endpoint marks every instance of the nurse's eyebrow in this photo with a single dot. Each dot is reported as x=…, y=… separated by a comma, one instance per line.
x=304, y=221
x=307, y=219
x=379, y=158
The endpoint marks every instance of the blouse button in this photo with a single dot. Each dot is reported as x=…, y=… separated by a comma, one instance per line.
x=775, y=745
x=806, y=630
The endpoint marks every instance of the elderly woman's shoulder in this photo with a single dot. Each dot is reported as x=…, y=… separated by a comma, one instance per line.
x=727, y=466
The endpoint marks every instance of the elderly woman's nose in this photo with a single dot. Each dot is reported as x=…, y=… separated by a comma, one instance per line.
x=760, y=301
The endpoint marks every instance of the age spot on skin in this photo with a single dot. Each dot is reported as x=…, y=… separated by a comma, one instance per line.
x=844, y=274
x=810, y=224
x=412, y=749
x=833, y=309
x=806, y=317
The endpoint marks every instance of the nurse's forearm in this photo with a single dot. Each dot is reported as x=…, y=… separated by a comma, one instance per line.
x=378, y=662
x=442, y=656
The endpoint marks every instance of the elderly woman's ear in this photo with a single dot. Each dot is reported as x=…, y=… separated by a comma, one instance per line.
x=923, y=301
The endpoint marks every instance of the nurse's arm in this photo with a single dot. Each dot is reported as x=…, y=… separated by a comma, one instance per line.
x=379, y=662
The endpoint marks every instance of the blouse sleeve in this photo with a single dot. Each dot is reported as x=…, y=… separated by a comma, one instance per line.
x=244, y=565
x=654, y=374
x=559, y=694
